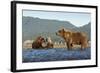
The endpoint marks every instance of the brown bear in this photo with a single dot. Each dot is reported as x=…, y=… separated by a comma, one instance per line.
x=38, y=42
x=71, y=38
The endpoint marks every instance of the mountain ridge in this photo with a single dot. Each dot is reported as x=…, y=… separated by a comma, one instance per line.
x=32, y=27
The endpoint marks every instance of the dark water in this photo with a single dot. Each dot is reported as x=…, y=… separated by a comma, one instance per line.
x=57, y=54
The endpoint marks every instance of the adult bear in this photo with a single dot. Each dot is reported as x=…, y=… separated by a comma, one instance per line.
x=71, y=38
x=41, y=43
x=38, y=43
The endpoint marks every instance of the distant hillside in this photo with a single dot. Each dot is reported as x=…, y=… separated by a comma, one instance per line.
x=33, y=27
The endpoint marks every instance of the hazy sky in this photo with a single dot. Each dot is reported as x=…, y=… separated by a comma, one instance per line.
x=78, y=19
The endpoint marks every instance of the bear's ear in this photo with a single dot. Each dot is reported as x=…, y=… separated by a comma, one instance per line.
x=63, y=29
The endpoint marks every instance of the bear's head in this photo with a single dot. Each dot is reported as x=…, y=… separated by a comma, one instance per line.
x=40, y=39
x=64, y=33
x=39, y=42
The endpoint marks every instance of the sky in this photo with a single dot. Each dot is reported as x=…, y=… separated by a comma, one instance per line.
x=76, y=18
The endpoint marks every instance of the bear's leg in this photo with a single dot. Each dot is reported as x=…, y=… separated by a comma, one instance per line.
x=69, y=46
x=84, y=45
